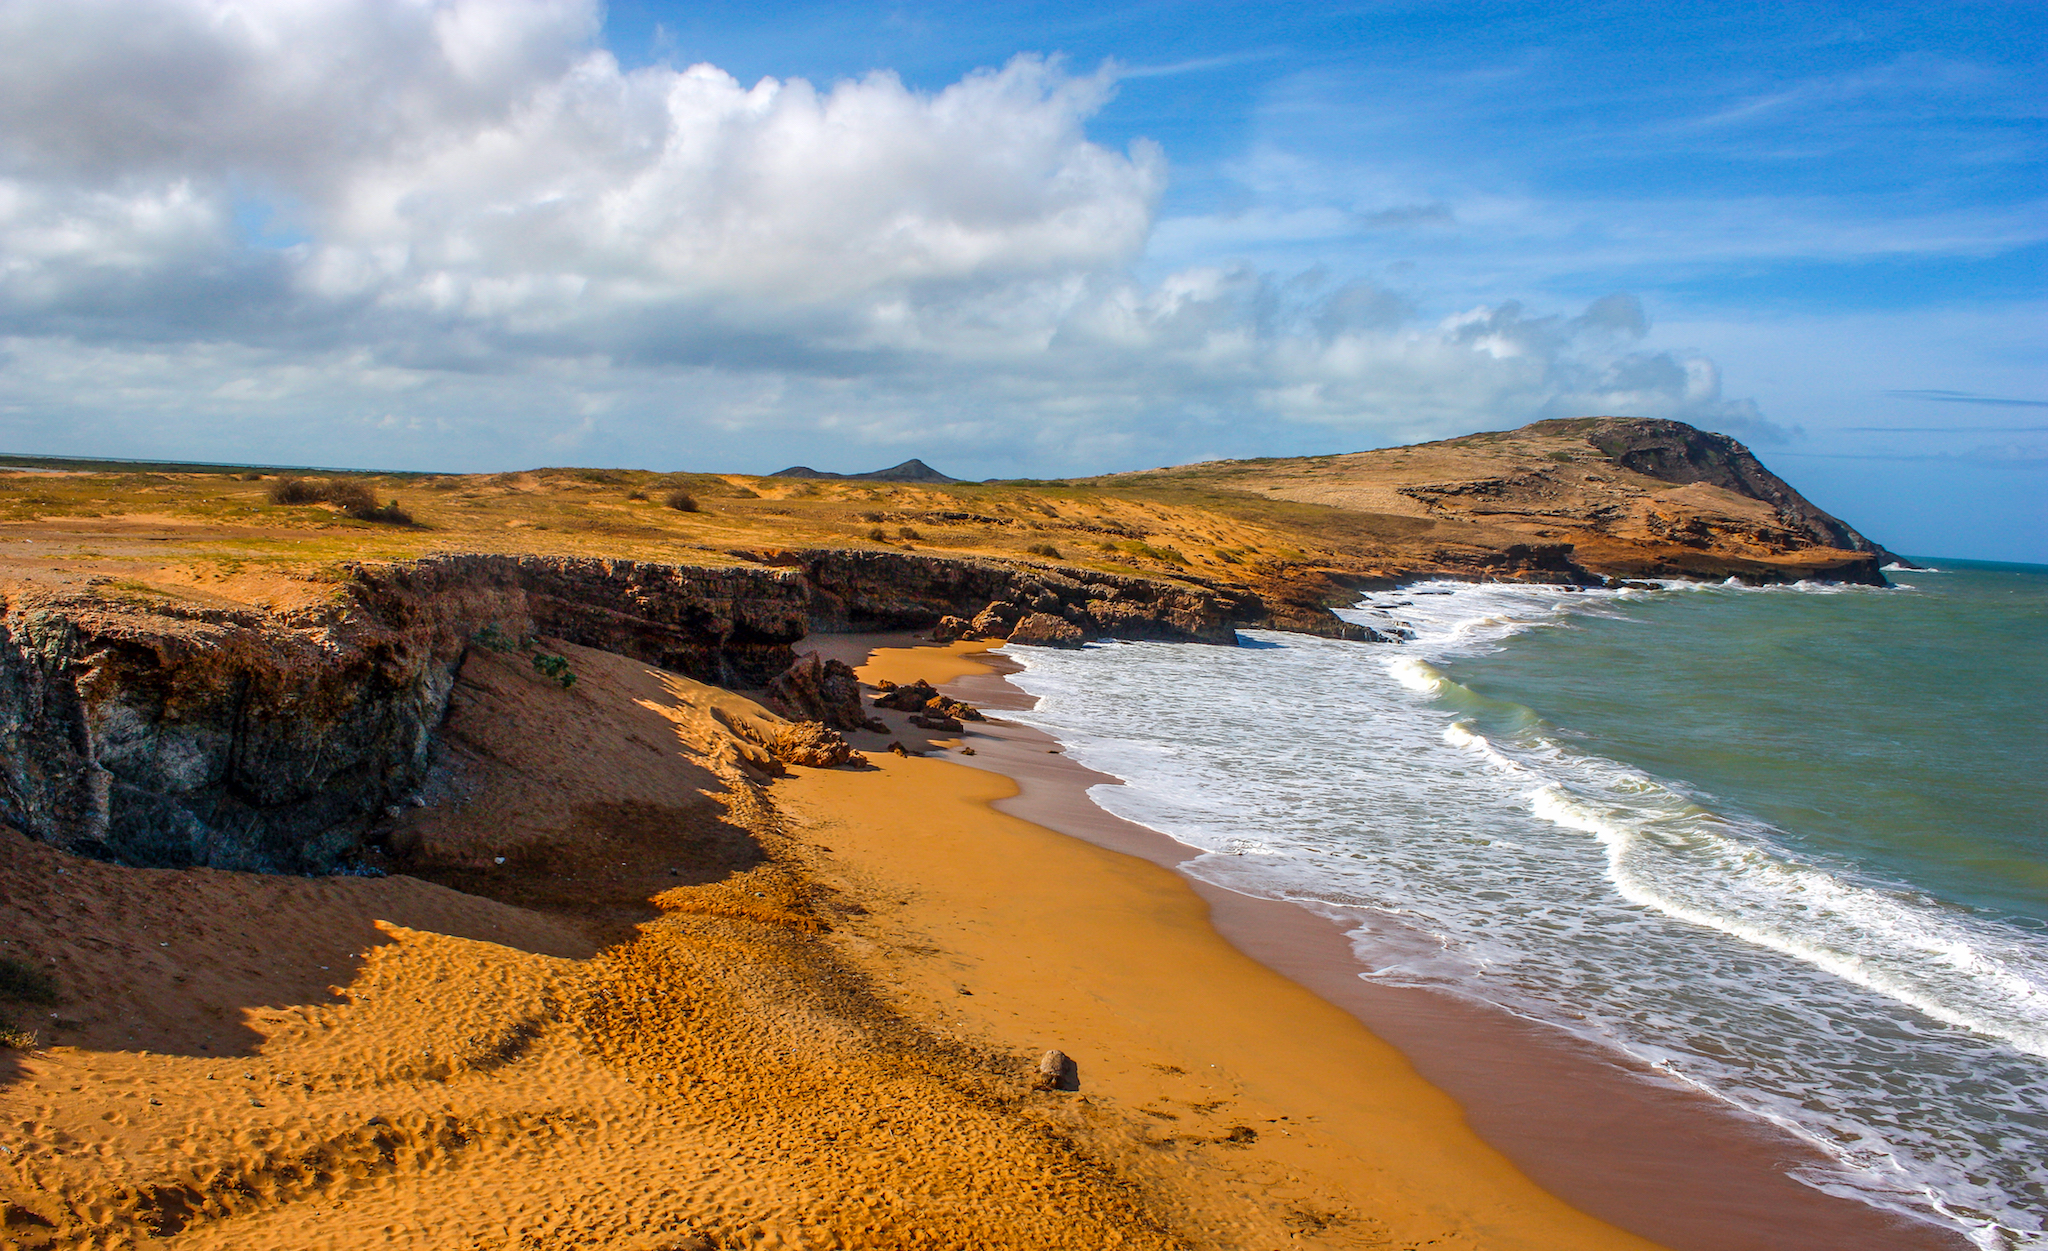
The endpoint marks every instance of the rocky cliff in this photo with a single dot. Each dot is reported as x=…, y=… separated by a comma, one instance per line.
x=854, y=589
x=1671, y=451
x=159, y=734
x=156, y=733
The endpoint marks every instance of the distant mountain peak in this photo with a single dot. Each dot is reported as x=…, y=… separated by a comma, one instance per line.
x=912, y=470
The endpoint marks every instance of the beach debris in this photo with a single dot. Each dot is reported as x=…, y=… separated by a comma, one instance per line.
x=812, y=744
x=1057, y=1071
x=1042, y=629
x=967, y=751
x=817, y=689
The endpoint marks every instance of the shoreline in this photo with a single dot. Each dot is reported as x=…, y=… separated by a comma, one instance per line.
x=1611, y=1139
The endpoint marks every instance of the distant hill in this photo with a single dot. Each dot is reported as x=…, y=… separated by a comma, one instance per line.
x=912, y=470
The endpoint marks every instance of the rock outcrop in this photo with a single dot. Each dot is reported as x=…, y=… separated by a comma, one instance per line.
x=812, y=745
x=817, y=689
x=910, y=697
x=1045, y=630
x=994, y=621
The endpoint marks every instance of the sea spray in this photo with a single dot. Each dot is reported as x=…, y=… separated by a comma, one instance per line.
x=1899, y=1032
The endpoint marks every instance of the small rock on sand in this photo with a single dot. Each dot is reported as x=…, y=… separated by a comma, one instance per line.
x=1057, y=1071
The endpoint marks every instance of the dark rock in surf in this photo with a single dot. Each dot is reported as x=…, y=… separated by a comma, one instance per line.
x=1045, y=630
x=994, y=621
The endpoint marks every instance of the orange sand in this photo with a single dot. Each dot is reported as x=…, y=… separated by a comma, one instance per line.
x=814, y=1026
x=936, y=665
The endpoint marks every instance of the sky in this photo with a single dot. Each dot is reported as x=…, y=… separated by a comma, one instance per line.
x=1033, y=240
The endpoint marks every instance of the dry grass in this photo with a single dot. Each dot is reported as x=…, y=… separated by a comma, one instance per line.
x=297, y=526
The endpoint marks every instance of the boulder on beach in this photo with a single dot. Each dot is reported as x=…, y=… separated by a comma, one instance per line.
x=949, y=628
x=817, y=689
x=1042, y=629
x=994, y=621
x=813, y=745
x=910, y=697
x=934, y=720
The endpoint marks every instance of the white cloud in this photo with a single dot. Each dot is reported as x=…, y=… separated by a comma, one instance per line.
x=483, y=241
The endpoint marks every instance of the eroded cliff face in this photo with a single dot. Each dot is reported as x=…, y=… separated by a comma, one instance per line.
x=856, y=589
x=159, y=733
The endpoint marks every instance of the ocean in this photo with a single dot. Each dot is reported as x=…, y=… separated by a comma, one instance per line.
x=1784, y=845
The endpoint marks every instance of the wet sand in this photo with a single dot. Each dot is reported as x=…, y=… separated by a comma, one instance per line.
x=1641, y=1152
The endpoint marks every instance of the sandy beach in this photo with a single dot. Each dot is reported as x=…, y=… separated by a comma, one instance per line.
x=621, y=989
x=1636, y=1149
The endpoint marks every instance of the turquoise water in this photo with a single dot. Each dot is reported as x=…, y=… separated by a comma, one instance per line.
x=1783, y=845
x=1904, y=733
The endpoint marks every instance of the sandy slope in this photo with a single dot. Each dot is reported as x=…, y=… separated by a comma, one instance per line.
x=688, y=1010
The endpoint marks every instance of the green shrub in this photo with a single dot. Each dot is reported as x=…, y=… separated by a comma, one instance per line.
x=681, y=501
x=1044, y=549
x=556, y=667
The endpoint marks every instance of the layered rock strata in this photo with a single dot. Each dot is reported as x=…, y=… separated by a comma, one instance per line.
x=872, y=590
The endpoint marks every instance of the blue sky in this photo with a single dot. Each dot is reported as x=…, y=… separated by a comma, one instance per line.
x=1044, y=239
